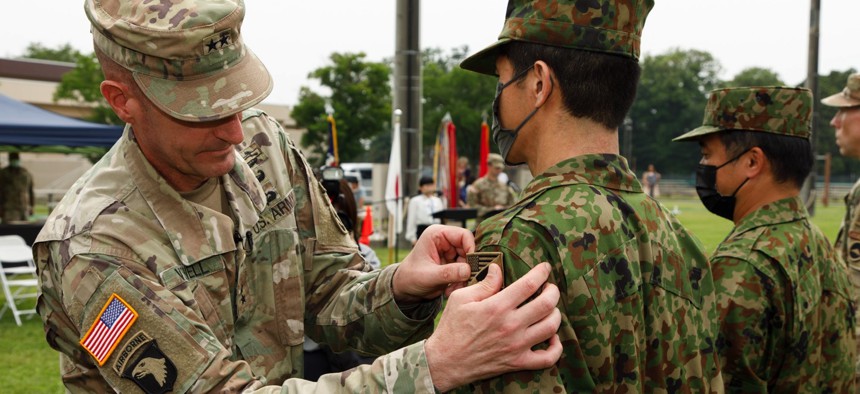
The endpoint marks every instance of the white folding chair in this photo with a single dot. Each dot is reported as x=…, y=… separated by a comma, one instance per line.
x=18, y=275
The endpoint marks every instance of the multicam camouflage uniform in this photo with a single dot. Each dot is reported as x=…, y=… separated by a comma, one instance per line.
x=16, y=194
x=637, y=297
x=787, y=319
x=786, y=316
x=143, y=290
x=848, y=239
x=229, y=308
x=485, y=194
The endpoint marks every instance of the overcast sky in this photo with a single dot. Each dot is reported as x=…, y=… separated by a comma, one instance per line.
x=295, y=37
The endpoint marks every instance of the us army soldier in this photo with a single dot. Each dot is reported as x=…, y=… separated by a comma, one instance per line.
x=846, y=123
x=199, y=252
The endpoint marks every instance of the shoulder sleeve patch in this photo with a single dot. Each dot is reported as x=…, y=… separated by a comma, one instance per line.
x=152, y=371
x=110, y=326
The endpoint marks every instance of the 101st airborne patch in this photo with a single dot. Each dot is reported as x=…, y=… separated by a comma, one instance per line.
x=479, y=263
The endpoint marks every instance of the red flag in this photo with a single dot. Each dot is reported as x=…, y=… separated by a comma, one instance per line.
x=485, y=148
x=453, y=196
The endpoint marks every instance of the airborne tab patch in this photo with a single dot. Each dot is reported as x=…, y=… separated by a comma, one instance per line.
x=111, y=325
x=153, y=372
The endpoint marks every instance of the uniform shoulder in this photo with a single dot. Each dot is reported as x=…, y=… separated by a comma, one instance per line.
x=92, y=194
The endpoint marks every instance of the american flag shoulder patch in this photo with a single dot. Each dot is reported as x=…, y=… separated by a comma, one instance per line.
x=110, y=326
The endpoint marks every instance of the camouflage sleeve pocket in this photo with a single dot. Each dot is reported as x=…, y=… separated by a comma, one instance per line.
x=131, y=328
x=615, y=282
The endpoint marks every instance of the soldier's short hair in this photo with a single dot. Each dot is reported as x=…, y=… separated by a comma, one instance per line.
x=790, y=157
x=593, y=85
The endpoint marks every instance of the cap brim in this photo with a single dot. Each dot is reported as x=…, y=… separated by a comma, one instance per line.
x=213, y=96
x=484, y=61
x=697, y=133
x=839, y=100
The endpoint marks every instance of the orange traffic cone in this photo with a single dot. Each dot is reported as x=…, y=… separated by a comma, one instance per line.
x=366, y=227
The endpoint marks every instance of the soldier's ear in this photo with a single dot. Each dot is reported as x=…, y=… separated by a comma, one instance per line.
x=543, y=85
x=118, y=97
x=755, y=162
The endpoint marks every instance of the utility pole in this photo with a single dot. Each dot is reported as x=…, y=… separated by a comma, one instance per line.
x=407, y=90
x=807, y=192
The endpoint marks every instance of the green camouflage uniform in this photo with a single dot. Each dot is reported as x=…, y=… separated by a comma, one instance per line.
x=637, y=297
x=484, y=194
x=227, y=300
x=786, y=315
x=787, y=319
x=16, y=194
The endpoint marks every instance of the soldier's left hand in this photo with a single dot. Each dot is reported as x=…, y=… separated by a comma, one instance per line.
x=436, y=265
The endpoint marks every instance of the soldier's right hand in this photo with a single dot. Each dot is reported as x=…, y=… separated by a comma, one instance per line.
x=485, y=332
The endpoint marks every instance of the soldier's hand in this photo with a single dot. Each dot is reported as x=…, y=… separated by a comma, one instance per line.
x=484, y=332
x=437, y=261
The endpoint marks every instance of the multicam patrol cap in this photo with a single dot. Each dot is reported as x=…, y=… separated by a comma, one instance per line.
x=773, y=109
x=848, y=97
x=186, y=55
x=609, y=26
x=495, y=160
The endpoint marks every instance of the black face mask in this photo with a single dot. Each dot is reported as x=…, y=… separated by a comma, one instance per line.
x=706, y=188
x=504, y=138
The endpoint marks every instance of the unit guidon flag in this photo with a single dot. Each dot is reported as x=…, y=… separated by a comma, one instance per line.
x=111, y=325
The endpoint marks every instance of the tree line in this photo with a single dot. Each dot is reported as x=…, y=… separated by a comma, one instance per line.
x=670, y=101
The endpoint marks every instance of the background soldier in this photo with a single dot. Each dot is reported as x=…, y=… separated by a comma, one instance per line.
x=487, y=194
x=786, y=321
x=637, y=291
x=16, y=191
x=846, y=123
x=199, y=251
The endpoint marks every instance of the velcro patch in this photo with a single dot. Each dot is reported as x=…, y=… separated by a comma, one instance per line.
x=479, y=262
x=110, y=326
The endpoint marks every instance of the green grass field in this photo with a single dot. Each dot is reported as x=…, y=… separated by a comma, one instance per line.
x=30, y=366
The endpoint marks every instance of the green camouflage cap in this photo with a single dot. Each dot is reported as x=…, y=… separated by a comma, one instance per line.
x=771, y=109
x=186, y=55
x=609, y=26
x=848, y=97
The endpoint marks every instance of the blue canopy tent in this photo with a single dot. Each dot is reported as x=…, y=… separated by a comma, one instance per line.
x=24, y=127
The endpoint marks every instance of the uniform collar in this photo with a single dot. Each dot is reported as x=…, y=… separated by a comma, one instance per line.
x=781, y=211
x=606, y=170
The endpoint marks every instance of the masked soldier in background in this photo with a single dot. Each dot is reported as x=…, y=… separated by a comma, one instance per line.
x=786, y=319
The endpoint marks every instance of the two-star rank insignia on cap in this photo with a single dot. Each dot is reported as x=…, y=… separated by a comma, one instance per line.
x=110, y=326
